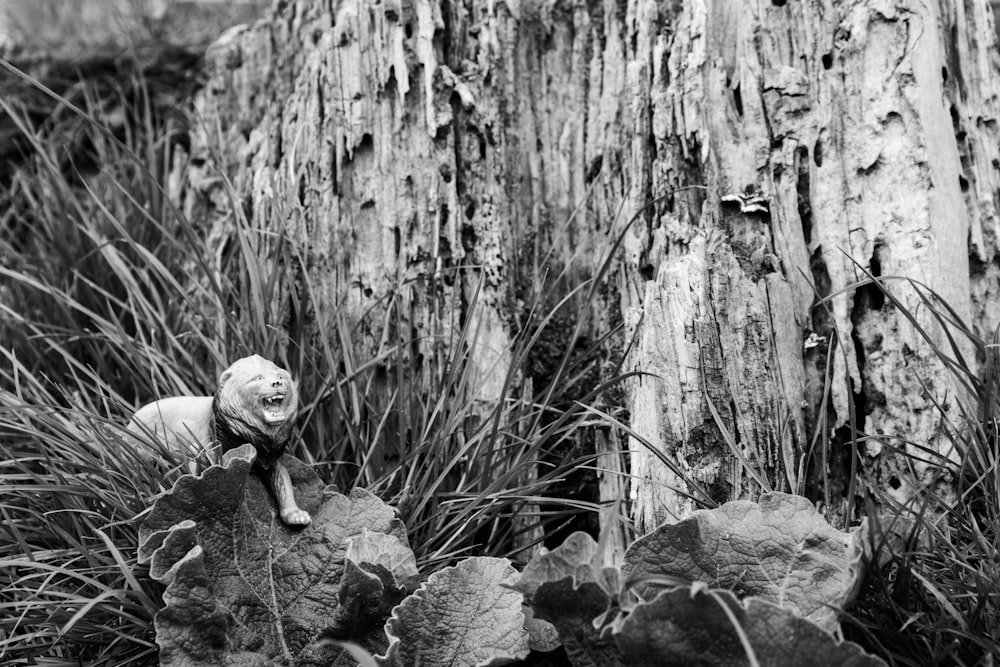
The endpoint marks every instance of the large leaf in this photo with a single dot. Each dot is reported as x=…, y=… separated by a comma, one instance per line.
x=602, y=625
x=462, y=615
x=695, y=626
x=568, y=588
x=779, y=549
x=243, y=588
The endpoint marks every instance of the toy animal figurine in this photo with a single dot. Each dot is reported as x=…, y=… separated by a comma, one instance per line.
x=255, y=403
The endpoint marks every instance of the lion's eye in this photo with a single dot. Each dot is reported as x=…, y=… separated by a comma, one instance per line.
x=258, y=378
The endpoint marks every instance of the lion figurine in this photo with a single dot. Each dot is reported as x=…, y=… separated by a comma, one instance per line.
x=255, y=403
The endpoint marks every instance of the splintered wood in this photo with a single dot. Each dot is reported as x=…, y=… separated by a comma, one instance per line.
x=827, y=134
x=423, y=156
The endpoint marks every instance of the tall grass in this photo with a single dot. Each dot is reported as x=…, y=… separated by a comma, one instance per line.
x=95, y=315
x=932, y=592
x=109, y=298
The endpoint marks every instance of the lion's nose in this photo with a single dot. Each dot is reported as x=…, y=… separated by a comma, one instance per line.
x=278, y=382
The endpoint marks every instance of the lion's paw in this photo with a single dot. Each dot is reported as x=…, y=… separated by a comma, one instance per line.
x=295, y=517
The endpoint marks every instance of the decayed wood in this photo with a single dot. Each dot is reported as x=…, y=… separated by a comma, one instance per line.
x=871, y=128
x=429, y=150
x=339, y=128
x=419, y=156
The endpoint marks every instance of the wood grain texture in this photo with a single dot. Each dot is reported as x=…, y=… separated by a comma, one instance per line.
x=871, y=128
x=426, y=150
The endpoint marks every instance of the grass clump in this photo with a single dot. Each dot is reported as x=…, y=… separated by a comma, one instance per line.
x=90, y=309
x=932, y=592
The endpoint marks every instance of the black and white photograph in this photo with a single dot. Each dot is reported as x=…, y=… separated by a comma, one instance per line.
x=468, y=333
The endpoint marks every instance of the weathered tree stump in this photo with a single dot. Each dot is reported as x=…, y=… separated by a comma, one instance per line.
x=435, y=157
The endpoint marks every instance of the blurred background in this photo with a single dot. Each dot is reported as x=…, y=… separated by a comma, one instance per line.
x=71, y=29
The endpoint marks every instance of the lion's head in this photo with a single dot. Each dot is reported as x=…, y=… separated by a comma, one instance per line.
x=256, y=402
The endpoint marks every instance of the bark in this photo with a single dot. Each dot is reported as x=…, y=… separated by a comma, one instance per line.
x=436, y=157
x=419, y=157
x=871, y=128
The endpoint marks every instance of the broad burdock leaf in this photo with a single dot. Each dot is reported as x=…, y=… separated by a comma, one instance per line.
x=244, y=589
x=601, y=623
x=387, y=551
x=779, y=549
x=542, y=635
x=567, y=588
x=577, y=552
x=467, y=614
x=697, y=626
x=578, y=557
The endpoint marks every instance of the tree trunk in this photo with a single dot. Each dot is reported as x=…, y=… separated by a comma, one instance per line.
x=437, y=158
x=870, y=128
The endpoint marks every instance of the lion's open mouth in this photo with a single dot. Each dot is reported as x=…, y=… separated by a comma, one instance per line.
x=274, y=408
